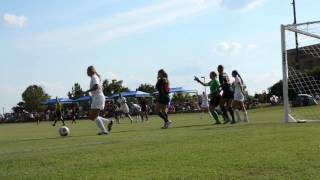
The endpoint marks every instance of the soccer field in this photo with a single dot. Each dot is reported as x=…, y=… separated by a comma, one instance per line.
x=192, y=149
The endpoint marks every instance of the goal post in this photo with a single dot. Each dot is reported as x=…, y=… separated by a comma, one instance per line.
x=301, y=71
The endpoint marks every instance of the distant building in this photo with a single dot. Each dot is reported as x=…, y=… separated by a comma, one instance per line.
x=309, y=57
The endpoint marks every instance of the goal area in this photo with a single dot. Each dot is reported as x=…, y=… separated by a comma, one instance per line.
x=301, y=71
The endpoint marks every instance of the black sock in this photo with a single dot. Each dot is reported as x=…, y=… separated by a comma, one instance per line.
x=225, y=113
x=166, y=115
x=163, y=117
x=232, y=114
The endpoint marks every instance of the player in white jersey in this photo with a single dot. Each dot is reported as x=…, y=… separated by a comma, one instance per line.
x=98, y=101
x=136, y=112
x=204, y=104
x=238, y=102
x=124, y=108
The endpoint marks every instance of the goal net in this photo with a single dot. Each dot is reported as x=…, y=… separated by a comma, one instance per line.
x=301, y=71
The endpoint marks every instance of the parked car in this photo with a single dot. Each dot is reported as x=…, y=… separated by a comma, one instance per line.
x=304, y=100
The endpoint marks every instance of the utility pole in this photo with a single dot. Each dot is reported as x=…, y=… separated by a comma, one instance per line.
x=296, y=34
x=2, y=110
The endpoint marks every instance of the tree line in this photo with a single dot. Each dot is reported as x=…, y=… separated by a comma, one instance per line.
x=34, y=95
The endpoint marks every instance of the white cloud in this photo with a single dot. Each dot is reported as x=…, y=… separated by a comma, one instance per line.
x=143, y=19
x=232, y=48
x=227, y=48
x=251, y=46
x=14, y=20
x=242, y=5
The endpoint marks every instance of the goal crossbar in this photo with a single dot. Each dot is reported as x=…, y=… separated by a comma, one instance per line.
x=294, y=29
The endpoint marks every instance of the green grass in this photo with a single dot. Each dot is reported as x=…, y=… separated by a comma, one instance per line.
x=192, y=149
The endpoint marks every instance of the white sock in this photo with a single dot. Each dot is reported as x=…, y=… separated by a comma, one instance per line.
x=237, y=112
x=210, y=114
x=100, y=125
x=246, y=116
x=104, y=120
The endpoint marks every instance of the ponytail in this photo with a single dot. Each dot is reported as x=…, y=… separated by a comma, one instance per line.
x=235, y=72
x=241, y=79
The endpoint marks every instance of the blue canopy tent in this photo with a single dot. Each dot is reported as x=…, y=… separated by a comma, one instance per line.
x=84, y=98
x=61, y=100
x=87, y=98
x=132, y=94
x=180, y=90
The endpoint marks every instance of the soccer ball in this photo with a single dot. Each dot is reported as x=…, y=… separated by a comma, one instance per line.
x=64, y=131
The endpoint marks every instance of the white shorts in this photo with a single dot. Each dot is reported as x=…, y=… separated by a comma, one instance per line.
x=124, y=108
x=98, y=102
x=239, y=97
x=205, y=105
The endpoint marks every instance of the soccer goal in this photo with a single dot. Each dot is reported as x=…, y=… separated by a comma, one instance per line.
x=301, y=71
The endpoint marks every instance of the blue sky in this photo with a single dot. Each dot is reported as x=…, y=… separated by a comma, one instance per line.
x=51, y=43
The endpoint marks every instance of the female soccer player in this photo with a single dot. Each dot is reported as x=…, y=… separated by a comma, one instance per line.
x=238, y=102
x=226, y=94
x=74, y=114
x=124, y=106
x=98, y=101
x=163, y=99
x=58, y=113
x=227, y=97
x=204, y=105
x=144, y=109
x=214, y=94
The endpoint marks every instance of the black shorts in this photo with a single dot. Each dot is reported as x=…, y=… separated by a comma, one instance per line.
x=144, y=109
x=227, y=95
x=58, y=114
x=215, y=100
x=164, y=100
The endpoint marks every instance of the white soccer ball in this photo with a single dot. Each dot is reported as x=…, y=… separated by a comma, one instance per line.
x=64, y=131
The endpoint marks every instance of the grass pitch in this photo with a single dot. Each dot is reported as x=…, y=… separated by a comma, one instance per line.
x=192, y=149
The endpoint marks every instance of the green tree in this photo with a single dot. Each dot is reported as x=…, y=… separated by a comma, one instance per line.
x=183, y=97
x=149, y=88
x=19, y=108
x=33, y=96
x=113, y=86
x=76, y=91
x=277, y=89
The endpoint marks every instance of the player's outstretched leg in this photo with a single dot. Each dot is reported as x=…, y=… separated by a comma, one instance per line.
x=55, y=122
x=63, y=123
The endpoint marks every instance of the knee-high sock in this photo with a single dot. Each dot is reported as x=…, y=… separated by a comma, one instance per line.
x=237, y=112
x=246, y=116
x=215, y=116
x=225, y=113
x=166, y=116
x=231, y=113
x=104, y=120
x=163, y=117
x=100, y=125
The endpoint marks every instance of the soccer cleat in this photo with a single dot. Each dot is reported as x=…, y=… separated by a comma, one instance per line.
x=166, y=125
x=226, y=121
x=110, y=126
x=102, y=133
